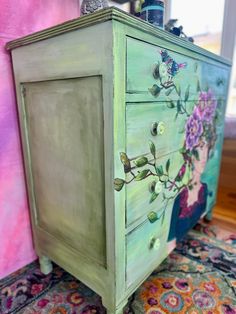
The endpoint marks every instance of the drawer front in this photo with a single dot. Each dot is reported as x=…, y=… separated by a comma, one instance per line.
x=216, y=78
x=141, y=120
x=146, y=247
x=170, y=71
x=139, y=203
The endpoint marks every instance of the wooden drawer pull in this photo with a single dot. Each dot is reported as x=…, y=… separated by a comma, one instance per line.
x=157, y=128
x=155, y=244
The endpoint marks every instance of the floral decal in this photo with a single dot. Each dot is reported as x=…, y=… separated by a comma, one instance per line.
x=201, y=124
x=165, y=72
x=200, y=129
x=194, y=130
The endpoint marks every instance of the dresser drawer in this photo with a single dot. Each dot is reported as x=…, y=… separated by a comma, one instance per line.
x=143, y=72
x=139, y=193
x=216, y=78
x=155, y=122
x=146, y=247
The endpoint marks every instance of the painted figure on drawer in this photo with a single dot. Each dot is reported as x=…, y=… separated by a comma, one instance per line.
x=184, y=186
x=200, y=136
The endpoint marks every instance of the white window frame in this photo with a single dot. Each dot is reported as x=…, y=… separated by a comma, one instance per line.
x=228, y=30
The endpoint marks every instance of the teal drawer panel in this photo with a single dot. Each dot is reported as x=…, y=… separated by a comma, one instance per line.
x=171, y=72
x=215, y=78
x=139, y=193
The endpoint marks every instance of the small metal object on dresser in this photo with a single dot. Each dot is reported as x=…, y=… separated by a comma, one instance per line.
x=90, y=6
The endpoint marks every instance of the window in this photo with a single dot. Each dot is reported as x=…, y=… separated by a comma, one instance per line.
x=202, y=20
x=231, y=108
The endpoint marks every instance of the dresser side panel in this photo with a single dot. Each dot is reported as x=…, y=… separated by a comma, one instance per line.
x=65, y=134
x=77, y=55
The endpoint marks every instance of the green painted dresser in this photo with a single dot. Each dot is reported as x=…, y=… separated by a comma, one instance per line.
x=122, y=128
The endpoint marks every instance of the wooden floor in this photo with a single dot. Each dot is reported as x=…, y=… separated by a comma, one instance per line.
x=224, y=213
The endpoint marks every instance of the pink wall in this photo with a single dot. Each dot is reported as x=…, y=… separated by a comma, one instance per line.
x=18, y=18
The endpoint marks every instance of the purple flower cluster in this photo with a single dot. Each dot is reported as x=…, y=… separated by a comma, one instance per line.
x=193, y=129
x=206, y=106
x=202, y=115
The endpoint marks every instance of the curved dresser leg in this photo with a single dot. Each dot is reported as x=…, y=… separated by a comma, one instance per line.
x=45, y=265
x=208, y=217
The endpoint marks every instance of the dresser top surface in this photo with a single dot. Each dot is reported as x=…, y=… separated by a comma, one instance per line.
x=111, y=13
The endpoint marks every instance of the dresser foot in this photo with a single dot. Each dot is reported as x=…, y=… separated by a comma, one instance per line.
x=118, y=310
x=208, y=217
x=45, y=265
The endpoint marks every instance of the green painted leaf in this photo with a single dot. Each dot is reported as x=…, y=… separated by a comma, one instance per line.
x=142, y=175
x=182, y=150
x=153, y=197
x=178, y=89
x=187, y=93
x=152, y=217
x=177, y=179
x=167, y=165
x=195, y=154
x=190, y=187
x=179, y=106
x=156, y=74
x=118, y=184
x=152, y=148
x=159, y=170
x=140, y=162
x=198, y=86
x=163, y=217
x=171, y=104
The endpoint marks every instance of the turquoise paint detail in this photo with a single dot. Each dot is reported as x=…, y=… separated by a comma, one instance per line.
x=152, y=7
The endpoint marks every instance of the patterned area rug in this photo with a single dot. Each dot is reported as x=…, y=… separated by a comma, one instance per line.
x=198, y=277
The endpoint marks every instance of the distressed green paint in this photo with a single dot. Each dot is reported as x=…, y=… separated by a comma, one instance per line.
x=112, y=45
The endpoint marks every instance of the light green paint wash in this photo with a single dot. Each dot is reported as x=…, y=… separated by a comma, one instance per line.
x=121, y=95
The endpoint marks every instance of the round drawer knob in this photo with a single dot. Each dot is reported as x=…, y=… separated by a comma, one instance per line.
x=155, y=243
x=155, y=186
x=158, y=187
x=157, y=128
